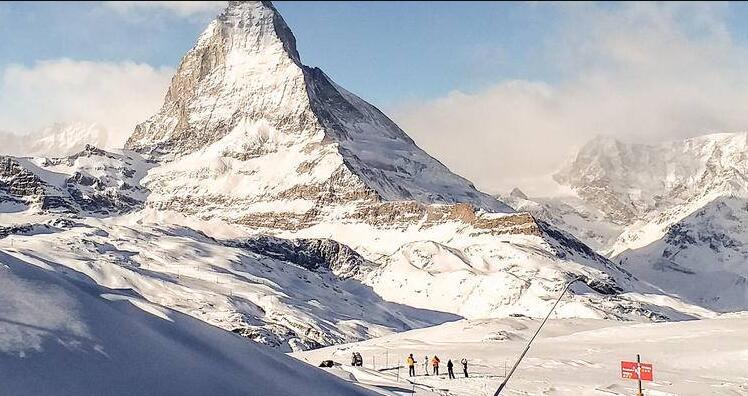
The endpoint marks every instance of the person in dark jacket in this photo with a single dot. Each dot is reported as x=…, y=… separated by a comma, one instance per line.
x=449, y=369
x=464, y=366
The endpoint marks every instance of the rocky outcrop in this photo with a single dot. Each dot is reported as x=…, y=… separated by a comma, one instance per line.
x=312, y=254
x=92, y=181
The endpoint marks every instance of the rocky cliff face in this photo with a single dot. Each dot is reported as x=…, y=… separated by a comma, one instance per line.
x=93, y=182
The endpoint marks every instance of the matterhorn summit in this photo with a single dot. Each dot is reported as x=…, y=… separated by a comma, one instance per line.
x=243, y=102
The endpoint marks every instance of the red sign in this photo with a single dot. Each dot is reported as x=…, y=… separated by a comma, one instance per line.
x=634, y=370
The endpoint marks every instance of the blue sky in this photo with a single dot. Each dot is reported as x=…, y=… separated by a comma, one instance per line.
x=385, y=51
x=507, y=78
x=428, y=48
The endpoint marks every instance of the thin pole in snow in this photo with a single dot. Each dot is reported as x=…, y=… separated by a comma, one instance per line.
x=639, y=373
x=527, y=348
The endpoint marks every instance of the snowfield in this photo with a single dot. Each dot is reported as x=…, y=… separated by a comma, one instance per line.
x=285, y=304
x=64, y=336
x=570, y=357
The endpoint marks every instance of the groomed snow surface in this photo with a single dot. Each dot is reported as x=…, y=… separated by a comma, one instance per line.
x=571, y=357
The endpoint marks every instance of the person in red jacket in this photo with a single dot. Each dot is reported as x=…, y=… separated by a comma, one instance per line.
x=435, y=362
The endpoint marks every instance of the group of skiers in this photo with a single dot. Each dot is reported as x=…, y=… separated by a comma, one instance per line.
x=435, y=366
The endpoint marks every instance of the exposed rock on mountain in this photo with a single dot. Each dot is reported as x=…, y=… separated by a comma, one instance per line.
x=93, y=182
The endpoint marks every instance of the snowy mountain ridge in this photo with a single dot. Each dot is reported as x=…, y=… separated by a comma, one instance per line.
x=629, y=181
x=672, y=213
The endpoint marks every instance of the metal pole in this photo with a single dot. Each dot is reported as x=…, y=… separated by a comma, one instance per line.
x=639, y=373
x=527, y=348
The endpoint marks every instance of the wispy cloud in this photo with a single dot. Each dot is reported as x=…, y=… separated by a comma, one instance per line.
x=115, y=95
x=639, y=72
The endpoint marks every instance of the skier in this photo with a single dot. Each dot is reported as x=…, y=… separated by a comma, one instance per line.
x=464, y=366
x=426, y=364
x=449, y=369
x=435, y=363
x=411, y=365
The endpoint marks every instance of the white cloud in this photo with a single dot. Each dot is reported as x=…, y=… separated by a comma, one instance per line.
x=114, y=95
x=180, y=8
x=640, y=72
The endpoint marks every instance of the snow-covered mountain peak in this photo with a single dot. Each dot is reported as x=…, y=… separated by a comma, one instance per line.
x=627, y=181
x=517, y=193
x=243, y=76
x=671, y=213
x=253, y=26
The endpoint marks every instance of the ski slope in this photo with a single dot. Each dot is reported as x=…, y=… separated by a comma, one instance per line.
x=570, y=357
x=60, y=336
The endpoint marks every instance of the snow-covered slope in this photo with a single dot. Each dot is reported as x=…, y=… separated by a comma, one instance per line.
x=702, y=258
x=630, y=181
x=672, y=213
x=570, y=357
x=572, y=214
x=61, y=334
x=287, y=294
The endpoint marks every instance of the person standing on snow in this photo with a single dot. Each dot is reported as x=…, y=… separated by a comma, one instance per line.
x=449, y=369
x=464, y=366
x=411, y=365
x=426, y=364
x=435, y=362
